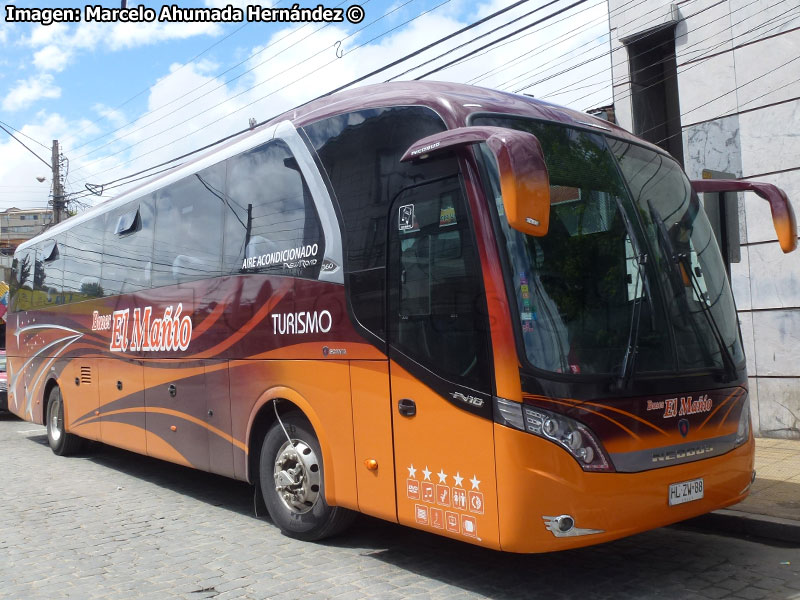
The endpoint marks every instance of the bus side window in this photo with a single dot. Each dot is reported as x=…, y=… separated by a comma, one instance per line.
x=128, y=256
x=51, y=281
x=83, y=260
x=22, y=281
x=361, y=152
x=271, y=223
x=188, y=231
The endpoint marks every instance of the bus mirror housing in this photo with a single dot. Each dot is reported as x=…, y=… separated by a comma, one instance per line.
x=782, y=213
x=524, y=182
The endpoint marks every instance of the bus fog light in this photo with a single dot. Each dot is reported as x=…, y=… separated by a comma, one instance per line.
x=565, y=523
x=550, y=427
x=564, y=526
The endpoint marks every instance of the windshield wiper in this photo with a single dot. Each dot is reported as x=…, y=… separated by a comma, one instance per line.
x=680, y=259
x=629, y=360
x=686, y=265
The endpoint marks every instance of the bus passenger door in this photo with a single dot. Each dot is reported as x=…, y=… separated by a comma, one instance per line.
x=440, y=367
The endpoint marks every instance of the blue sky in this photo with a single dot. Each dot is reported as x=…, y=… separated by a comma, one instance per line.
x=121, y=97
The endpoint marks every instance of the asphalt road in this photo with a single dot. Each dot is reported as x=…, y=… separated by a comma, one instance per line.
x=111, y=524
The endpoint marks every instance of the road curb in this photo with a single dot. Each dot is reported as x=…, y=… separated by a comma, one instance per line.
x=740, y=522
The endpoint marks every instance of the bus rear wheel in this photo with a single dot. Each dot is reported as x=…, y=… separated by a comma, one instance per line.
x=61, y=442
x=291, y=477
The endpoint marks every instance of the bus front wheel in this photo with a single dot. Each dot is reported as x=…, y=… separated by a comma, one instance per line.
x=291, y=478
x=61, y=442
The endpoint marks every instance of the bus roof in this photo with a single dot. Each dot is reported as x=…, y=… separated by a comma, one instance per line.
x=453, y=102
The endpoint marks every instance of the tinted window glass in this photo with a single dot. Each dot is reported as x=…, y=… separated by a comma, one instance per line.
x=128, y=257
x=22, y=281
x=188, y=232
x=583, y=297
x=361, y=153
x=271, y=223
x=437, y=315
x=82, y=263
x=51, y=256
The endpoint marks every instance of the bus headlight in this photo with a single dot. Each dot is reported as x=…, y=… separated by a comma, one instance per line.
x=743, y=432
x=573, y=436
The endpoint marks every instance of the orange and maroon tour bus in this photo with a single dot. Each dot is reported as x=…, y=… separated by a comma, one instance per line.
x=470, y=312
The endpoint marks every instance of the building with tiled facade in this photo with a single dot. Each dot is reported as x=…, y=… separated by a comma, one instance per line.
x=717, y=83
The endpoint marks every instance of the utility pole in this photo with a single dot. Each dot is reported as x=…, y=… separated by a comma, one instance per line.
x=58, y=190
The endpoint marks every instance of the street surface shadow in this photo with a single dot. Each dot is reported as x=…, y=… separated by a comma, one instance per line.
x=663, y=563
x=667, y=562
x=233, y=495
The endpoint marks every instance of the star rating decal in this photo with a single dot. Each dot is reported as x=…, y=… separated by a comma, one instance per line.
x=458, y=480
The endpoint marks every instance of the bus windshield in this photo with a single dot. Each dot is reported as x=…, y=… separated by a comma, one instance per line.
x=628, y=277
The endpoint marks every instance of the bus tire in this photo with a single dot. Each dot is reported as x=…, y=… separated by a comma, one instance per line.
x=291, y=479
x=61, y=442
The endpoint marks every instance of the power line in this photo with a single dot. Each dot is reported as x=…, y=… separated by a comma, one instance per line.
x=537, y=22
x=475, y=39
x=355, y=81
x=25, y=135
x=706, y=51
x=224, y=84
x=698, y=59
x=191, y=60
x=256, y=100
x=241, y=93
x=26, y=147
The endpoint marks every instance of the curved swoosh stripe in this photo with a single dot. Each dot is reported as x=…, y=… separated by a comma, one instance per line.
x=720, y=405
x=212, y=318
x=579, y=404
x=259, y=316
x=168, y=411
x=594, y=412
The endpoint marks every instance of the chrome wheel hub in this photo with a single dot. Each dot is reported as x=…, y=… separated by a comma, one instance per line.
x=297, y=476
x=55, y=421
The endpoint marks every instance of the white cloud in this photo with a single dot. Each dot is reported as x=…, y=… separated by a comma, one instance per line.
x=132, y=35
x=51, y=58
x=191, y=107
x=30, y=90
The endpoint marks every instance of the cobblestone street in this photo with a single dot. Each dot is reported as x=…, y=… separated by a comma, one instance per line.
x=110, y=524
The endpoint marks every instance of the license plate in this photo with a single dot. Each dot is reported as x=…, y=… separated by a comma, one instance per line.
x=685, y=491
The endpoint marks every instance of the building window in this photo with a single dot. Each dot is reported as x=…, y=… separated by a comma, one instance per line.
x=654, y=89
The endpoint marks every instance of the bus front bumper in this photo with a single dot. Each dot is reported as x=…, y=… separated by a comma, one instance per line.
x=538, y=482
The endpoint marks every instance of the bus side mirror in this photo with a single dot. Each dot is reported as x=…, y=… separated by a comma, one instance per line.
x=782, y=213
x=524, y=182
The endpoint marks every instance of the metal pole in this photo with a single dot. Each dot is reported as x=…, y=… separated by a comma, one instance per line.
x=58, y=192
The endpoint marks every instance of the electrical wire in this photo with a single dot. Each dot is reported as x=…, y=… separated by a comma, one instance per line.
x=253, y=102
x=25, y=135
x=223, y=84
x=26, y=147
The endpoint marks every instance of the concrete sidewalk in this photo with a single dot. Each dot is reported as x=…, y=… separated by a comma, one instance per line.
x=772, y=510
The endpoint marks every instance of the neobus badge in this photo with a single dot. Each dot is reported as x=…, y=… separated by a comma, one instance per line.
x=171, y=332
